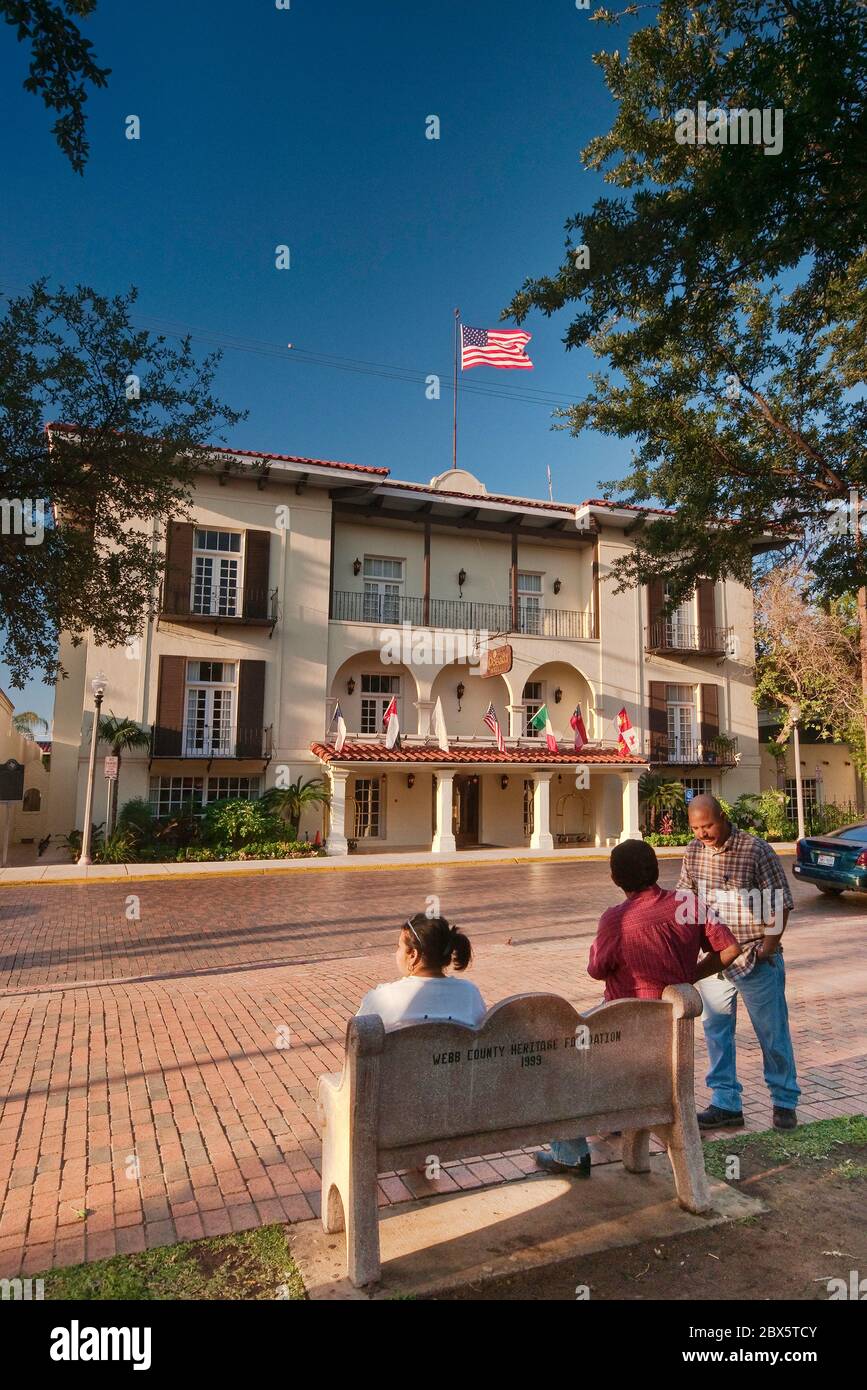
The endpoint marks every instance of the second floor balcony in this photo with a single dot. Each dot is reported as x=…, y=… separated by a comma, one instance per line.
x=210, y=742
x=217, y=605
x=693, y=752
x=671, y=638
x=526, y=619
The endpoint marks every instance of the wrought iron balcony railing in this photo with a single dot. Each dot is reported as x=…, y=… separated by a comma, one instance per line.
x=207, y=742
x=666, y=636
x=689, y=752
x=391, y=610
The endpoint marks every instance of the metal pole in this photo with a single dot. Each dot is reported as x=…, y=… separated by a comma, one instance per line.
x=455, y=425
x=799, y=790
x=85, y=856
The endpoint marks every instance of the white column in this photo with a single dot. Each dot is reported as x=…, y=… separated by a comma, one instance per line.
x=541, y=837
x=516, y=721
x=444, y=840
x=336, y=842
x=424, y=722
x=631, y=829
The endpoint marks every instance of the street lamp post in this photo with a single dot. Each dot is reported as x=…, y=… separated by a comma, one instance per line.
x=98, y=685
x=795, y=715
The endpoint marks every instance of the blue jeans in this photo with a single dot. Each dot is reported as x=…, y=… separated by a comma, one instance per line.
x=764, y=994
x=570, y=1151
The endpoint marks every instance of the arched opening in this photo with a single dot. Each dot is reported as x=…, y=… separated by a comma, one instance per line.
x=32, y=800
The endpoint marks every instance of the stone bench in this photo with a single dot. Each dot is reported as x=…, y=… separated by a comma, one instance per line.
x=533, y=1071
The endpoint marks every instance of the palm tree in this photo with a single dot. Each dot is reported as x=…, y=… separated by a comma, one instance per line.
x=658, y=795
x=120, y=735
x=29, y=723
x=289, y=802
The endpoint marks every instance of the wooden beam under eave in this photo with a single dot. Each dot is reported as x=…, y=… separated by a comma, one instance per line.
x=502, y=528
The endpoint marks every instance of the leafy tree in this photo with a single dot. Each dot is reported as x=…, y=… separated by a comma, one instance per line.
x=727, y=290
x=29, y=723
x=120, y=734
x=807, y=655
x=61, y=64
x=141, y=410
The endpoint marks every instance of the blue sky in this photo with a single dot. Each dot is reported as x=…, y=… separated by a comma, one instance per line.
x=306, y=127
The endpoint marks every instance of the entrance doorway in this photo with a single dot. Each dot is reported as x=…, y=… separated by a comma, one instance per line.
x=465, y=811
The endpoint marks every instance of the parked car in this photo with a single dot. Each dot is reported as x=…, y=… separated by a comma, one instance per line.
x=834, y=862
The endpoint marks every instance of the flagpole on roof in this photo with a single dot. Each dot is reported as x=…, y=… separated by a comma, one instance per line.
x=455, y=424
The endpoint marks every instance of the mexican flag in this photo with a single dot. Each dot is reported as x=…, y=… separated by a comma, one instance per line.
x=541, y=723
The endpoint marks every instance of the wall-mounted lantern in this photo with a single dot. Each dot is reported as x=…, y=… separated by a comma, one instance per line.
x=558, y=695
x=504, y=780
x=410, y=780
x=558, y=585
x=350, y=685
x=460, y=692
x=356, y=566
x=462, y=579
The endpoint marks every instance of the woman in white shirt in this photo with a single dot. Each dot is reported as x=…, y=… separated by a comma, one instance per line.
x=426, y=947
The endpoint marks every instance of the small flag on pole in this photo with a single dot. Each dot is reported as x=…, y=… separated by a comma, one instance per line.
x=341, y=728
x=440, y=727
x=628, y=739
x=577, y=723
x=493, y=724
x=493, y=347
x=391, y=724
x=542, y=724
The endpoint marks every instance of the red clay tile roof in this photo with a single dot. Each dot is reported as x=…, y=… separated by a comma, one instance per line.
x=467, y=753
x=258, y=454
x=394, y=484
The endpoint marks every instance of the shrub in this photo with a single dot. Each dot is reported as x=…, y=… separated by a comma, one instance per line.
x=232, y=824
x=680, y=837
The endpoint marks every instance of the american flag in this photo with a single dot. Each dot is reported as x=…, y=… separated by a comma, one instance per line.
x=493, y=724
x=499, y=348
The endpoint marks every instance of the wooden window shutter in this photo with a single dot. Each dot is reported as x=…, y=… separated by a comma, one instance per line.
x=657, y=716
x=251, y=709
x=179, y=568
x=257, y=557
x=706, y=615
x=655, y=604
x=168, y=729
x=709, y=728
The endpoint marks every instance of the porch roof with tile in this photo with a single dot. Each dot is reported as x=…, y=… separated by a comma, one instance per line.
x=472, y=754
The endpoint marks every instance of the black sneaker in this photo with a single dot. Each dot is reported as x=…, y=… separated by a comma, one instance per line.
x=548, y=1163
x=784, y=1118
x=715, y=1118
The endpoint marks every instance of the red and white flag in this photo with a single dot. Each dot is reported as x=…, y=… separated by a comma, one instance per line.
x=391, y=724
x=577, y=722
x=493, y=724
x=628, y=738
x=493, y=347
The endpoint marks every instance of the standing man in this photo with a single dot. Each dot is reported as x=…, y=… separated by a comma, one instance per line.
x=744, y=880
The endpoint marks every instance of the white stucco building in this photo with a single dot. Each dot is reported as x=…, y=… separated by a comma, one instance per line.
x=299, y=583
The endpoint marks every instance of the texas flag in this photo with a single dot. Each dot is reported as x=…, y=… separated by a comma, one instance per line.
x=628, y=738
x=391, y=724
x=577, y=722
x=341, y=728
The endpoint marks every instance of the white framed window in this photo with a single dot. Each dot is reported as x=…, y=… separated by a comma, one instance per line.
x=383, y=588
x=680, y=701
x=529, y=602
x=680, y=627
x=368, y=806
x=216, y=584
x=168, y=794
x=376, y=696
x=210, y=709
x=238, y=788
x=533, y=698
x=810, y=790
x=699, y=786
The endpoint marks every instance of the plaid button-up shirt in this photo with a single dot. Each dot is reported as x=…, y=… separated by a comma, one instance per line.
x=746, y=883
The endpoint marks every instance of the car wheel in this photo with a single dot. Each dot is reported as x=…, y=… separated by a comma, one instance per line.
x=832, y=892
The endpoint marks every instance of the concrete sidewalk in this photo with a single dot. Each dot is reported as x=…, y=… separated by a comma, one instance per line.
x=112, y=873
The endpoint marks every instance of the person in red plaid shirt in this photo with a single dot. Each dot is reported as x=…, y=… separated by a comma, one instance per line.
x=743, y=879
x=651, y=940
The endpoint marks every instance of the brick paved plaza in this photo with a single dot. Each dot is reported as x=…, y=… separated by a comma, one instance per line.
x=142, y=1072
